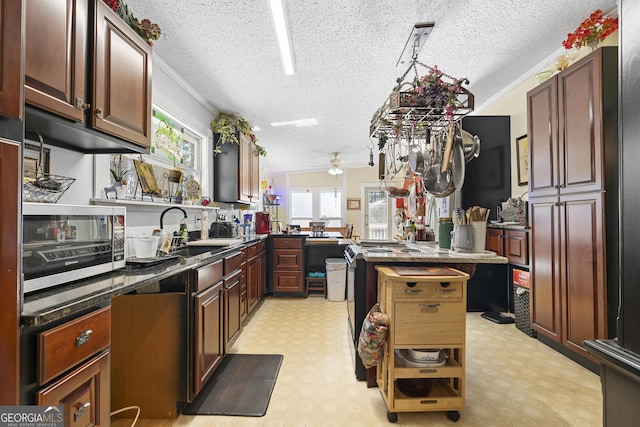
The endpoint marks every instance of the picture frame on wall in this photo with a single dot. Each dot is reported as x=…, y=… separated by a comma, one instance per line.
x=353, y=204
x=522, y=155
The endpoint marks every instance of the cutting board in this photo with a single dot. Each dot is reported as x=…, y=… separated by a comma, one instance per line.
x=215, y=242
x=424, y=271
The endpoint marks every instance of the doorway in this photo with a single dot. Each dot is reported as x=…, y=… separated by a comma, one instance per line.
x=377, y=214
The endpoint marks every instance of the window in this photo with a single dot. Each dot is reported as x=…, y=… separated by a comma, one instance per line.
x=173, y=145
x=317, y=204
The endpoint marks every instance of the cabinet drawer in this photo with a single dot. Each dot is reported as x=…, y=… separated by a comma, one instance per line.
x=232, y=279
x=84, y=393
x=232, y=263
x=449, y=291
x=63, y=347
x=286, y=243
x=252, y=250
x=208, y=275
x=495, y=240
x=517, y=246
x=287, y=259
x=429, y=323
x=287, y=281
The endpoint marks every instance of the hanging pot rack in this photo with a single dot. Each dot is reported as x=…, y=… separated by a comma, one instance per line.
x=406, y=110
x=407, y=118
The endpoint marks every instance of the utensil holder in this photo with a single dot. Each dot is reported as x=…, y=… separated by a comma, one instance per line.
x=479, y=236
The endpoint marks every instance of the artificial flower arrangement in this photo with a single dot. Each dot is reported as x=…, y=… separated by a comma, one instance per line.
x=226, y=126
x=591, y=31
x=433, y=91
x=145, y=28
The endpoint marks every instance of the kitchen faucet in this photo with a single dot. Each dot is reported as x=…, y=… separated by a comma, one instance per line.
x=167, y=210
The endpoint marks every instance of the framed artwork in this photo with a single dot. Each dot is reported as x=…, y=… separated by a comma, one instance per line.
x=147, y=178
x=31, y=154
x=522, y=155
x=353, y=204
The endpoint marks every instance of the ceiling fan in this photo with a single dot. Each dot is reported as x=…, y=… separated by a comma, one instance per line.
x=335, y=165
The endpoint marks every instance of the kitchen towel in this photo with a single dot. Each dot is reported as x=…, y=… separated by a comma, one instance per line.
x=241, y=386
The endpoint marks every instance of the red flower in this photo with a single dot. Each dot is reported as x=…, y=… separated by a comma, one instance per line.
x=591, y=30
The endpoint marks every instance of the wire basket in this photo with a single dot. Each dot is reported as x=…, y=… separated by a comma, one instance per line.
x=42, y=187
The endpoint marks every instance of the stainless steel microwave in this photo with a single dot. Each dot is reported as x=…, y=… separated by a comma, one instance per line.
x=65, y=243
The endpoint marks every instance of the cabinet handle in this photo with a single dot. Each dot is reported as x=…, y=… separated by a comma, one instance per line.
x=412, y=291
x=99, y=113
x=446, y=291
x=83, y=338
x=81, y=105
x=428, y=371
x=429, y=308
x=82, y=411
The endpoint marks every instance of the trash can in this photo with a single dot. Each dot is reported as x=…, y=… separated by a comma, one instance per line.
x=521, y=310
x=521, y=284
x=336, y=278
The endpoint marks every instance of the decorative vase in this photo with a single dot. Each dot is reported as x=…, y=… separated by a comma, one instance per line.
x=121, y=190
x=591, y=45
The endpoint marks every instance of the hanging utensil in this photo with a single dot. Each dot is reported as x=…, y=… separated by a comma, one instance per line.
x=416, y=160
x=457, y=161
x=446, y=157
x=470, y=145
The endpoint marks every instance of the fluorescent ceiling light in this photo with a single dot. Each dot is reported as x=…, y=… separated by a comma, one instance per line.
x=297, y=123
x=282, y=32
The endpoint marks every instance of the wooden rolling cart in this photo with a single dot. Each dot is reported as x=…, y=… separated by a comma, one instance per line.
x=427, y=310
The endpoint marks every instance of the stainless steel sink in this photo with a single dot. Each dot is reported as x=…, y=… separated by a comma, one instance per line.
x=189, y=251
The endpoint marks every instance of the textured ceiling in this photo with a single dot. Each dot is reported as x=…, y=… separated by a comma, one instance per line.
x=345, y=57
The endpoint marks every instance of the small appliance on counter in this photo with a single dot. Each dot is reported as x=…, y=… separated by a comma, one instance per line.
x=263, y=224
x=223, y=229
x=64, y=243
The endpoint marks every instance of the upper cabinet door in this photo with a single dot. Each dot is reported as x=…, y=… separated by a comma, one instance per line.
x=121, y=79
x=581, y=131
x=55, y=58
x=11, y=65
x=542, y=131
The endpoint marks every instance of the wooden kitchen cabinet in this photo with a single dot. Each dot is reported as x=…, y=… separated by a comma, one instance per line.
x=72, y=364
x=208, y=329
x=105, y=85
x=244, y=296
x=516, y=246
x=256, y=254
x=121, y=104
x=511, y=243
x=237, y=172
x=10, y=289
x=288, y=268
x=573, y=200
x=232, y=290
x=495, y=240
x=11, y=64
x=426, y=311
x=83, y=393
x=56, y=56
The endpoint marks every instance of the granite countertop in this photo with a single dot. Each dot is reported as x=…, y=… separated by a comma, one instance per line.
x=52, y=304
x=428, y=252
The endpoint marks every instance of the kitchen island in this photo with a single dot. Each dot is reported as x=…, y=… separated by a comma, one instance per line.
x=362, y=278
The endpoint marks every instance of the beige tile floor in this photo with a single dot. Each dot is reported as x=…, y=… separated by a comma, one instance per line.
x=512, y=379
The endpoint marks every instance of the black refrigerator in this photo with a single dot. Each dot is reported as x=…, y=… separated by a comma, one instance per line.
x=620, y=357
x=487, y=183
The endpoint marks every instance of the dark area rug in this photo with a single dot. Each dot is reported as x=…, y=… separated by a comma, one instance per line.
x=241, y=386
